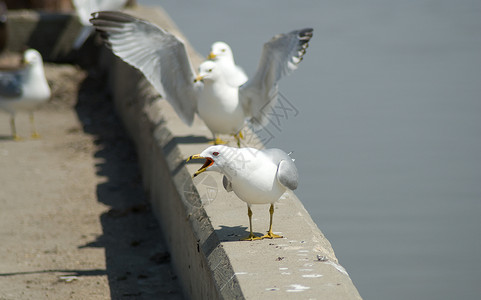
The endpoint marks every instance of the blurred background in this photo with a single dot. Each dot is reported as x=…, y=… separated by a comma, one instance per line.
x=387, y=137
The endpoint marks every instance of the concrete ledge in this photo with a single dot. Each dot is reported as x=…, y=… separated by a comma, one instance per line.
x=52, y=34
x=202, y=222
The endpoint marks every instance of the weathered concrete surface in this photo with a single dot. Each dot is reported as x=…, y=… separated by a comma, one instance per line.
x=202, y=223
x=52, y=34
x=72, y=204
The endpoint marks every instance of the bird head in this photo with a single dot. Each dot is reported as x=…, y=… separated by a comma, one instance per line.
x=208, y=71
x=216, y=158
x=220, y=50
x=31, y=56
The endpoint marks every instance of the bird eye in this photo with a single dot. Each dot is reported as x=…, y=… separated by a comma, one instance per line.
x=223, y=50
x=215, y=153
x=210, y=70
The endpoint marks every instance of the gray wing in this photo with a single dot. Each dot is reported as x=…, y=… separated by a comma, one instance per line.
x=287, y=174
x=85, y=8
x=10, y=85
x=280, y=56
x=227, y=184
x=286, y=169
x=161, y=56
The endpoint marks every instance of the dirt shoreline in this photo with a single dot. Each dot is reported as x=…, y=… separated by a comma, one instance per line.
x=74, y=221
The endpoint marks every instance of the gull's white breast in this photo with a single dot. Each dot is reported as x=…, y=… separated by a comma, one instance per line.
x=220, y=109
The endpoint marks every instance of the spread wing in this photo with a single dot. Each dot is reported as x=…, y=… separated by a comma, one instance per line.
x=85, y=8
x=160, y=56
x=280, y=56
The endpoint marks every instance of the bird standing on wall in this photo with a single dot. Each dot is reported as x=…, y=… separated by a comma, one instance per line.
x=24, y=89
x=163, y=59
x=255, y=176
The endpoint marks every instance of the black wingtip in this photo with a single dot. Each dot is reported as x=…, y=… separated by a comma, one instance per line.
x=305, y=33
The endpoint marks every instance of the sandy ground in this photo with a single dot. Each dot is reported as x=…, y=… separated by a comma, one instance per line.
x=74, y=221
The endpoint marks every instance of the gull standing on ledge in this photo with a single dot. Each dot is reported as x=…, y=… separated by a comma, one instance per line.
x=222, y=54
x=163, y=59
x=24, y=89
x=255, y=176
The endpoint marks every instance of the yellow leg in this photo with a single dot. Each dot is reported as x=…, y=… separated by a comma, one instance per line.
x=238, y=136
x=251, y=236
x=217, y=141
x=15, y=137
x=270, y=234
x=35, y=134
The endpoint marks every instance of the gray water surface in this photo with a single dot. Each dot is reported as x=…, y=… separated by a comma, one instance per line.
x=388, y=135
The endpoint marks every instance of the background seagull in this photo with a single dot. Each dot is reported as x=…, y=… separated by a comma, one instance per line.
x=163, y=59
x=255, y=176
x=24, y=89
x=222, y=54
x=85, y=8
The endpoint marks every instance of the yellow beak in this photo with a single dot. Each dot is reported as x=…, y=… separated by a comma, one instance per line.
x=198, y=78
x=211, y=56
x=195, y=156
x=208, y=162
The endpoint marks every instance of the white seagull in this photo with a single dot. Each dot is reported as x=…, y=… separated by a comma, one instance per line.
x=255, y=176
x=24, y=89
x=85, y=8
x=163, y=59
x=222, y=54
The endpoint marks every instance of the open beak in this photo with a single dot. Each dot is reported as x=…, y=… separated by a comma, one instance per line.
x=208, y=162
x=211, y=56
x=198, y=78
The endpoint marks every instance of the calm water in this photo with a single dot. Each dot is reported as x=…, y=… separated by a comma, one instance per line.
x=388, y=135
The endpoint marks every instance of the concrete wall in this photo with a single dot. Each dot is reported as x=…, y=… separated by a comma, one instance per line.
x=201, y=222
x=52, y=34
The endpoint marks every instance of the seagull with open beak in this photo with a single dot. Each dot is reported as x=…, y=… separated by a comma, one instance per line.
x=255, y=176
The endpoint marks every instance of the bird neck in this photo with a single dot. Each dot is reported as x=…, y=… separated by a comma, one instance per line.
x=32, y=71
x=35, y=75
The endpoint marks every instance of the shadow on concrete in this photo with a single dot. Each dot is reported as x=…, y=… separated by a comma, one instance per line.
x=138, y=263
x=191, y=139
x=188, y=139
x=233, y=233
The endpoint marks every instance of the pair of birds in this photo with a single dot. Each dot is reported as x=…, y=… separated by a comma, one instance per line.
x=221, y=95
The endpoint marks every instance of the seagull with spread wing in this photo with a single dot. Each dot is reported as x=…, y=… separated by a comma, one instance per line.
x=163, y=59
